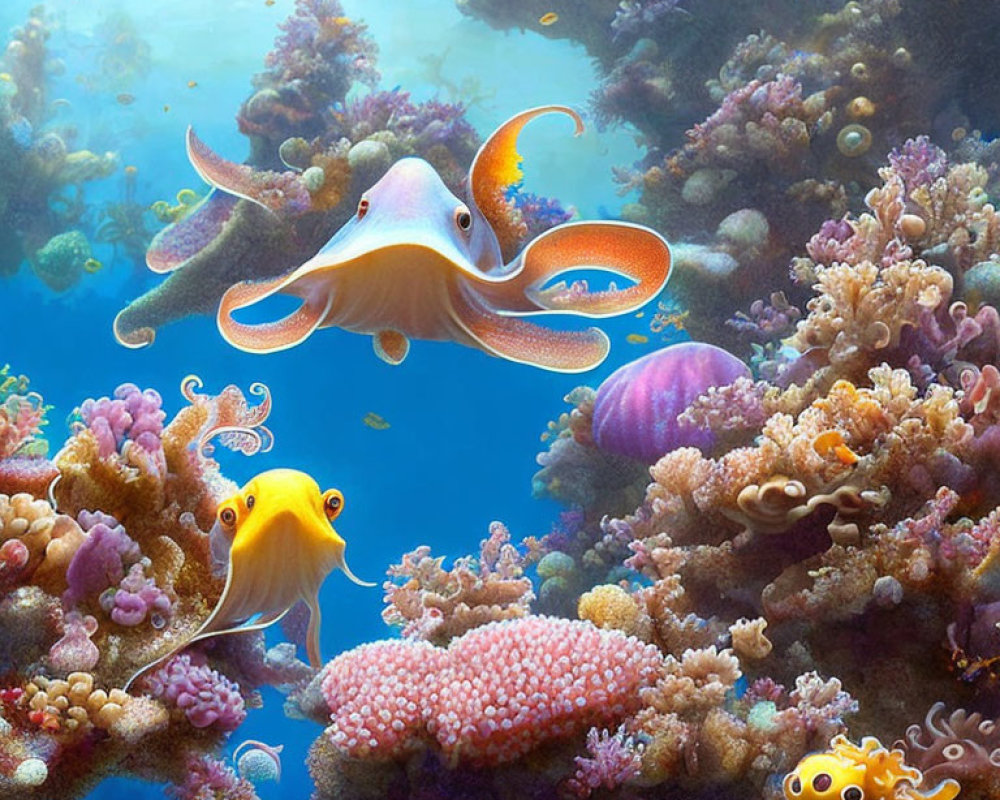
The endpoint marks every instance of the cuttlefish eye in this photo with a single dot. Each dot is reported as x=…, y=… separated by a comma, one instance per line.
x=333, y=503
x=362, y=207
x=463, y=218
x=227, y=517
x=852, y=793
x=822, y=782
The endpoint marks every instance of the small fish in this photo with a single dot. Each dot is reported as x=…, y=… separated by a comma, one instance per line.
x=5, y=77
x=268, y=3
x=375, y=421
x=92, y=265
x=192, y=84
x=640, y=314
x=636, y=338
x=166, y=109
x=548, y=19
x=125, y=99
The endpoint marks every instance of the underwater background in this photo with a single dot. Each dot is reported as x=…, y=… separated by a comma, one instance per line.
x=800, y=157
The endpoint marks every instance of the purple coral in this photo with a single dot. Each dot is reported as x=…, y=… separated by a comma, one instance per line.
x=100, y=562
x=206, y=697
x=918, y=162
x=136, y=598
x=614, y=760
x=132, y=415
x=209, y=779
x=637, y=408
x=538, y=213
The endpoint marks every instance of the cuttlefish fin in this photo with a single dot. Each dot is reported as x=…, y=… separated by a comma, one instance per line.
x=178, y=243
x=268, y=337
x=631, y=251
x=497, y=166
x=391, y=346
x=524, y=342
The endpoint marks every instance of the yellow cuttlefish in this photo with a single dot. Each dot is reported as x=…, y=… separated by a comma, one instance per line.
x=868, y=772
x=281, y=546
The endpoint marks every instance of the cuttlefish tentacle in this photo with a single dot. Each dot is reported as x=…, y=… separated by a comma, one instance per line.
x=282, y=192
x=268, y=337
x=282, y=548
x=497, y=166
x=522, y=341
x=632, y=251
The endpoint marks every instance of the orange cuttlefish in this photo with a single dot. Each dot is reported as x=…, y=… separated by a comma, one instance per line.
x=417, y=262
x=276, y=536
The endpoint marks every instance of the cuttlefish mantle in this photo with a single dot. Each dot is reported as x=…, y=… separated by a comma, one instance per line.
x=417, y=262
x=276, y=538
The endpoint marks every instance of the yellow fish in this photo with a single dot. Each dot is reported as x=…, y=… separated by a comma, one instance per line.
x=281, y=546
x=548, y=19
x=192, y=84
x=6, y=77
x=636, y=338
x=92, y=265
x=376, y=421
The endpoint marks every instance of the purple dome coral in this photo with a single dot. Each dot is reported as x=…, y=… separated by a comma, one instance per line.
x=636, y=410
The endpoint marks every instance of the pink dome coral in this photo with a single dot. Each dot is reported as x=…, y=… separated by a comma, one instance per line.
x=205, y=696
x=496, y=693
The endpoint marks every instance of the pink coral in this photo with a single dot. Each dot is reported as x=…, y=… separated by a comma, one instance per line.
x=74, y=652
x=396, y=676
x=208, y=779
x=614, y=760
x=496, y=693
x=206, y=697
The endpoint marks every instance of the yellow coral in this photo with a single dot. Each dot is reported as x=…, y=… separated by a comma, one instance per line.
x=610, y=607
x=74, y=705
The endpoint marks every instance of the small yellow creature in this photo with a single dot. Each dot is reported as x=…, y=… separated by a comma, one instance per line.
x=868, y=772
x=276, y=536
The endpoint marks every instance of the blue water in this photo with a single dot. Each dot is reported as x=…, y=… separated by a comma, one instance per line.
x=465, y=428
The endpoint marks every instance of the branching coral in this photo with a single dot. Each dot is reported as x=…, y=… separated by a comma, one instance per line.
x=436, y=605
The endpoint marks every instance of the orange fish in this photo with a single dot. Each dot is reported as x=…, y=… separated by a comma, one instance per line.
x=548, y=19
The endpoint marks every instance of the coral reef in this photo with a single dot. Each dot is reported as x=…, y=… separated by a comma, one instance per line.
x=103, y=567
